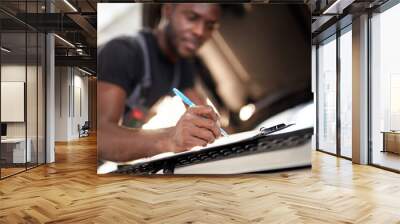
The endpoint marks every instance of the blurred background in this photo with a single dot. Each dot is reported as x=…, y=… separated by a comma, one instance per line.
x=257, y=72
x=256, y=65
x=257, y=69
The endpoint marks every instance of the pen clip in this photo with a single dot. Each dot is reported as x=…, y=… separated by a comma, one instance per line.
x=266, y=131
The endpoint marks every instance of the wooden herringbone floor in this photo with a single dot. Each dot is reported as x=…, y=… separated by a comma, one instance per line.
x=69, y=191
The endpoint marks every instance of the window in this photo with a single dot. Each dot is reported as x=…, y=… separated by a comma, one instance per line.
x=334, y=106
x=385, y=88
x=327, y=95
x=346, y=93
x=22, y=78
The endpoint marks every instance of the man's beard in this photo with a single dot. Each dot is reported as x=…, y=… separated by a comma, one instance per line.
x=170, y=37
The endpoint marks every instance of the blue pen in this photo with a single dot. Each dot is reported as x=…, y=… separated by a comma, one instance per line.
x=191, y=104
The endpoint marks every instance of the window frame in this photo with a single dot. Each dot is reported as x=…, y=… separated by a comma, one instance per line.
x=27, y=29
x=378, y=10
x=333, y=37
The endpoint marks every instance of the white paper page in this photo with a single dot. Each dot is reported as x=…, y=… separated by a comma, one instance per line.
x=218, y=142
x=237, y=137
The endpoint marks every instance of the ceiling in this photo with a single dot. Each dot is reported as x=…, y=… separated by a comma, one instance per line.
x=74, y=21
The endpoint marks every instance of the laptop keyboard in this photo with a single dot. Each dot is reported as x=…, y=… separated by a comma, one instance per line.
x=258, y=145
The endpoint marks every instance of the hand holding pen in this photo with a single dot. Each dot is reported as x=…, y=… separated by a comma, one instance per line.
x=191, y=104
x=198, y=126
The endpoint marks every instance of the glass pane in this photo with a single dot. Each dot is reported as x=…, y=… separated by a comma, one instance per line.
x=31, y=97
x=345, y=94
x=385, y=86
x=327, y=96
x=41, y=98
x=13, y=86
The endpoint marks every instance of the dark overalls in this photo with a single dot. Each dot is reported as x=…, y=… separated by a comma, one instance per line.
x=137, y=108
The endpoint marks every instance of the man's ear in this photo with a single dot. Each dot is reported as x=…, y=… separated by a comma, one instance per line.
x=167, y=11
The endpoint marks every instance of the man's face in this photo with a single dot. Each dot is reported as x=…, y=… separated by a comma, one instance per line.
x=190, y=25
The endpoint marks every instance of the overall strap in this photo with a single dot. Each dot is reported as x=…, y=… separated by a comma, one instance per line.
x=145, y=82
x=177, y=75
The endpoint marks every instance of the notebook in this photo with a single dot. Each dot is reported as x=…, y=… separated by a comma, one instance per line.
x=277, y=147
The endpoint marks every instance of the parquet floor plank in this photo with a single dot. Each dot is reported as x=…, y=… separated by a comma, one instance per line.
x=70, y=191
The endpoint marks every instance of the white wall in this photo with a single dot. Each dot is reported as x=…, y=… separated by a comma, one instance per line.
x=61, y=103
x=71, y=93
x=12, y=73
x=33, y=126
x=80, y=100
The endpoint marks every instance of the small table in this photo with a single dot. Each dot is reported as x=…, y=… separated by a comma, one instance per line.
x=13, y=150
x=391, y=141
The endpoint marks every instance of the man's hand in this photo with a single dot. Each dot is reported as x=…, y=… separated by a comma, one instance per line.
x=197, y=127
